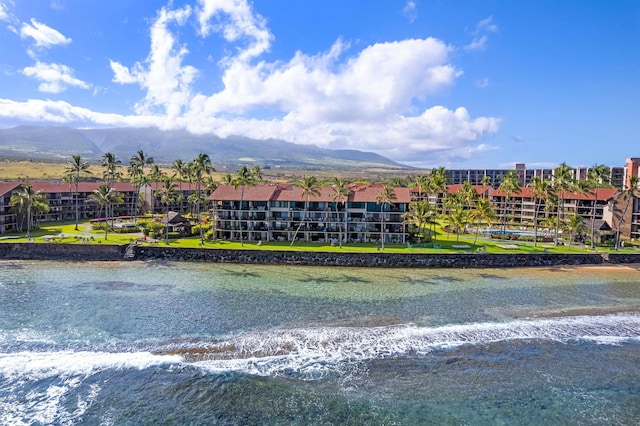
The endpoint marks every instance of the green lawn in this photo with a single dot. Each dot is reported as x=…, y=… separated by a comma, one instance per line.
x=64, y=232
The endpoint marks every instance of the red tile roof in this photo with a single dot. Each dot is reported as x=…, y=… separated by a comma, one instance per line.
x=527, y=192
x=261, y=192
x=370, y=193
x=6, y=187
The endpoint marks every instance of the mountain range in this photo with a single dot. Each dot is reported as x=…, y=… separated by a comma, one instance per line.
x=59, y=143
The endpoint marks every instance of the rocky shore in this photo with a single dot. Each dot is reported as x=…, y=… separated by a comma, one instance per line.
x=93, y=252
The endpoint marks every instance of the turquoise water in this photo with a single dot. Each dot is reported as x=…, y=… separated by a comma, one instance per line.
x=192, y=343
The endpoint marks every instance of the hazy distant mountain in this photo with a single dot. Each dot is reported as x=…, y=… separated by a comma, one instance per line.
x=50, y=143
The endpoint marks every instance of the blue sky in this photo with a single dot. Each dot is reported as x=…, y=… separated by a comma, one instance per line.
x=430, y=83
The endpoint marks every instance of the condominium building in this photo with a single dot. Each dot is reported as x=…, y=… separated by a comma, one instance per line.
x=8, y=218
x=281, y=212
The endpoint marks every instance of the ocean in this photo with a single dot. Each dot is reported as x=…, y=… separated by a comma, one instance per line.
x=164, y=343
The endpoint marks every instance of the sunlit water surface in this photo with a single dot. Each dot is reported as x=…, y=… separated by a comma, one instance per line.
x=193, y=343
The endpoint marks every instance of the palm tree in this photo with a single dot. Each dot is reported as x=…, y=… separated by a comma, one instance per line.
x=75, y=168
x=244, y=177
x=180, y=168
x=25, y=199
x=200, y=166
x=439, y=183
x=256, y=171
x=136, y=164
x=227, y=179
x=483, y=212
x=111, y=165
x=540, y=189
x=340, y=195
x=423, y=183
x=627, y=195
x=106, y=196
x=574, y=225
x=168, y=195
x=309, y=186
x=386, y=197
x=421, y=215
x=510, y=185
x=459, y=220
x=599, y=176
x=562, y=182
x=111, y=172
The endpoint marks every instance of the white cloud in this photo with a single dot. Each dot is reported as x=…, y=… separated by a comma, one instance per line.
x=236, y=21
x=373, y=99
x=54, y=78
x=410, y=10
x=480, y=34
x=43, y=35
x=482, y=83
x=167, y=82
x=4, y=13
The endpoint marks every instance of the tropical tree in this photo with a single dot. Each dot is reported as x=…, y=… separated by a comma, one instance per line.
x=540, y=189
x=244, y=177
x=599, y=176
x=420, y=215
x=227, y=179
x=310, y=187
x=137, y=162
x=340, y=195
x=28, y=201
x=439, y=183
x=137, y=179
x=509, y=185
x=200, y=166
x=458, y=219
x=574, y=226
x=627, y=195
x=562, y=182
x=482, y=212
x=181, y=169
x=106, y=196
x=111, y=173
x=386, y=198
x=168, y=194
x=423, y=184
x=256, y=171
x=74, y=169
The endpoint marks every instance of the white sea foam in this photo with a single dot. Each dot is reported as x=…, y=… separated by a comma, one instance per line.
x=43, y=405
x=39, y=365
x=311, y=352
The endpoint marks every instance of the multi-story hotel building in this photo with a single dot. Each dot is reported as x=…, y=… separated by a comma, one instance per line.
x=280, y=212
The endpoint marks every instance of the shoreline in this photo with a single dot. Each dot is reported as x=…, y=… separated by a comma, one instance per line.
x=79, y=252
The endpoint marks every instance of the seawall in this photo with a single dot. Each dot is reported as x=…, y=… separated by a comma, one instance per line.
x=96, y=252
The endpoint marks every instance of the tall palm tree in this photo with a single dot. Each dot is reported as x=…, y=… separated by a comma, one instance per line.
x=420, y=215
x=256, y=171
x=540, y=189
x=227, y=179
x=510, y=185
x=439, y=183
x=340, y=195
x=137, y=178
x=310, y=187
x=28, y=201
x=575, y=225
x=599, y=176
x=627, y=195
x=180, y=169
x=423, y=184
x=201, y=166
x=386, y=197
x=137, y=163
x=168, y=194
x=75, y=168
x=482, y=212
x=111, y=165
x=562, y=182
x=244, y=177
x=106, y=196
x=111, y=173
